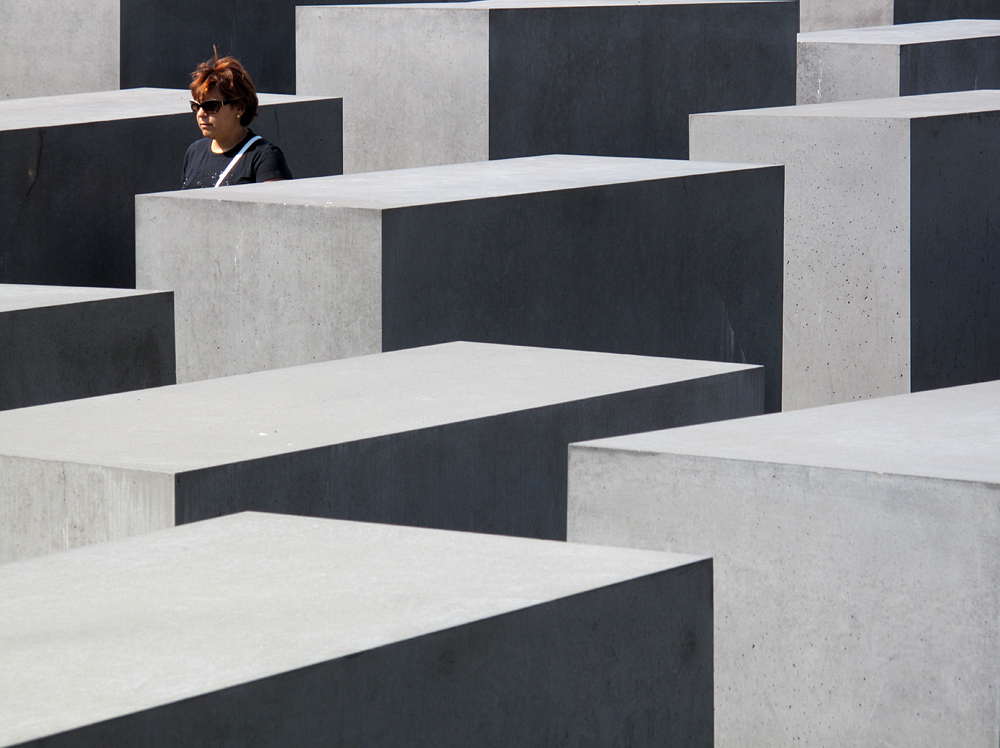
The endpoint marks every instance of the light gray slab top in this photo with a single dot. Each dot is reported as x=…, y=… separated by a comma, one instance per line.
x=100, y=106
x=457, y=182
x=897, y=107
x=114, y=628
x=220, y=421
x=528, y=4
x=906, y=33
x=951, y=433
x=18, y=296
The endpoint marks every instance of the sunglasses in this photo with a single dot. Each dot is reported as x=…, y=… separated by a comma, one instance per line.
x=211, y=106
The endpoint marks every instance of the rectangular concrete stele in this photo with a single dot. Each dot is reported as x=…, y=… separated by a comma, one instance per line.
x=428, y=84
x=820, y=15
x=71, y=166
x=857, y=579
x=663, y=258
x=903, y=60
x=264, y=629
x=463, y=436
x=62, y=343
x=51, y=48
x=892, y=256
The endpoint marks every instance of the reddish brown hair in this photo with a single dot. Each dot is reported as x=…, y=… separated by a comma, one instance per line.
x=233, y=82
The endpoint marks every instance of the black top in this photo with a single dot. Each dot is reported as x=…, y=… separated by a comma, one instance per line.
x=261, y=162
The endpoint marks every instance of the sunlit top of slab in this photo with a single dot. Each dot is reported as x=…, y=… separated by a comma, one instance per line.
x=383, y=190
x=907, y=33
x=14, y=296
x=897, y=107
x=115, y=628
x=219, y=421
x=951, y=433
x=100, y=106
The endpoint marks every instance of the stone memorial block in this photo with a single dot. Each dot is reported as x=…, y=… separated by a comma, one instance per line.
x=462, y=436
x=904, y=60
x=71, y=166
x=818, y=15
x=663, y=258
x=261, y=629
x=857, y=579
x=892, y=239
x=63, y=47
x=61, y=343
x=432, y=83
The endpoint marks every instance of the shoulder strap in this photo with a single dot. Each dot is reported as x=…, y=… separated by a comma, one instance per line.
x=236, y=158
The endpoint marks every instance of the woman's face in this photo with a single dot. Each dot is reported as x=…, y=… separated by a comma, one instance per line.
x=222, y=126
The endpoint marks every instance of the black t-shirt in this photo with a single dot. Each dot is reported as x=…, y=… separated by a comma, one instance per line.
x=261, y=162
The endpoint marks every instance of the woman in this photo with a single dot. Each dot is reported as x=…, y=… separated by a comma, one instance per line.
x=225, y=102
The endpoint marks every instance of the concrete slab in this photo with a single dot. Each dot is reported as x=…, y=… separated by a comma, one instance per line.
x=428, y=84
x=664, y=258
x=69, y=194
x=892, y=261
x=51, y=48
x=462, y=436
x=62, y=343
x=857, y=581
x=819, y=15
x=904, y=60
x=272, y=630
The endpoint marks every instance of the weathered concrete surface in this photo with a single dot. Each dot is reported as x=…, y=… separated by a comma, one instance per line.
x=664, y=258
x=63, y=343
x=857, y=580
x=272, y=630
x=819, y=15
x=428, y=84
x=463, y=436
x=51, y=48
x=70, y=167
x=892, y=256
x=903, y=60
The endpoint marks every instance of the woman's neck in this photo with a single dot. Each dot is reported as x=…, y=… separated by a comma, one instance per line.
x=221, y=146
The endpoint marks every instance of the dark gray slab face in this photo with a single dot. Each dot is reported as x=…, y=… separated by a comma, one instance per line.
x=463, y=436
x=271, y=630
x=916, y=11
x=64, y=343
x=820, y=15
x=503, y=79
x=863, y=536
x=71, y=166
x=902, y=60
x=641, y=256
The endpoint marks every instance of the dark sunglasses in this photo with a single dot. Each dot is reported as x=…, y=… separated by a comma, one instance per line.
x=211, y=106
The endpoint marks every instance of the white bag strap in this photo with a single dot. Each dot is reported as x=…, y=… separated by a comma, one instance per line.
x=236, y=158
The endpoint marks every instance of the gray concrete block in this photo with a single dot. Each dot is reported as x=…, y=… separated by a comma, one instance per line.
x=820, y=15
x=70, y=167
x=904, y=60
x=664, y=258
x=51, y=48
x=63, y=343
x=857, y=580
x=269, y=630
x=462, y=436
x=428, y=84
x=892, y=256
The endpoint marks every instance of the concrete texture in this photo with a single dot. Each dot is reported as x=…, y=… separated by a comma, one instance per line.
x=462, y=436
x=892, y=263
x=427, y=84
x=70, y=167
x=52, y=48
x=269, y=630
x=63, y=343
x=857, y=581
x=819, y=15
x=663, y=258
x=903, y=60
